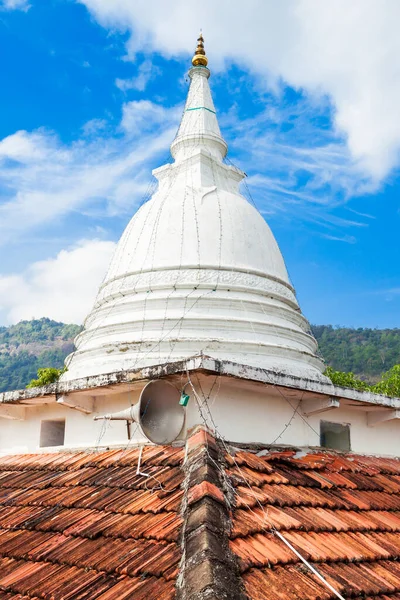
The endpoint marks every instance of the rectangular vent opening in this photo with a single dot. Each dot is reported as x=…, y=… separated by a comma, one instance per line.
x=335, y=435
x=52, y=433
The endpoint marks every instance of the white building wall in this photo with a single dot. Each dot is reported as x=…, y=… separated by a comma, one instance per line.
x=253, y=417
x=81, y=431
x=243, y=412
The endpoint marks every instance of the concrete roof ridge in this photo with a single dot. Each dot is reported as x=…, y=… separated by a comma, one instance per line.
x=208, y=567
x=51, y=392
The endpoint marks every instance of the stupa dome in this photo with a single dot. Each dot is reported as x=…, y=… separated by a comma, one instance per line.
x=197, y=271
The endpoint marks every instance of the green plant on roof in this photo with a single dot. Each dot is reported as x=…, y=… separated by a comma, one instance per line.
x=390, y=383
x=46, y=376
x=346, y=380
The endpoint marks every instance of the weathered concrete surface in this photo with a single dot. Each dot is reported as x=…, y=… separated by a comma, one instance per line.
x=196, y=270
x=209, y=569
x=102, y=384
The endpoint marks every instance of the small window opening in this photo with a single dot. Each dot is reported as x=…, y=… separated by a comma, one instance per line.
x=52, y=433
x=335, y=435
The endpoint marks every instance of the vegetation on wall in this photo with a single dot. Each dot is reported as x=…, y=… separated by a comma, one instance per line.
x=346, y=380
x=46, y=376
x=389, y=384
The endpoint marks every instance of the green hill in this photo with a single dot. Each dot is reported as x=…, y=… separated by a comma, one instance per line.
x=365, y=352
x=29, y=345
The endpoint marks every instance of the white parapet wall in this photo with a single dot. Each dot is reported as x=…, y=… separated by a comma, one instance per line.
x=242, y=405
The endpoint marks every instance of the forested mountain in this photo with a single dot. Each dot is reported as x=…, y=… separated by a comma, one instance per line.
x=365, y=352
x=29, y=345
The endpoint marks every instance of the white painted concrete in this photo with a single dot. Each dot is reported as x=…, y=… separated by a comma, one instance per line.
x=242, y=411
x=198, y=277
x=249, y=414
x=81, y=431
x=197, y=271
x=76, y=391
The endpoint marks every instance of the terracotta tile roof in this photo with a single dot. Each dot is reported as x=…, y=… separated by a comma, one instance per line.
x=341, y=512
x=84, y=525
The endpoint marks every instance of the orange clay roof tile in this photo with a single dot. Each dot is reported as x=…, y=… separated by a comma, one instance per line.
x=84, y=525
x=341, y=512
x=205, y=489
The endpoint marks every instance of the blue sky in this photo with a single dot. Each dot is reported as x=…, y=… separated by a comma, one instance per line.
x=91, y=97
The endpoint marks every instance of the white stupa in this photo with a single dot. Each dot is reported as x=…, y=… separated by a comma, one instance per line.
x=197, y=270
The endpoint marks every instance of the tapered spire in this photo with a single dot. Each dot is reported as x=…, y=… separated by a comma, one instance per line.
x=200, y=59
x=199, y=127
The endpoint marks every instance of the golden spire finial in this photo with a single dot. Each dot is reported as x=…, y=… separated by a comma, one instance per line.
x=200, y=59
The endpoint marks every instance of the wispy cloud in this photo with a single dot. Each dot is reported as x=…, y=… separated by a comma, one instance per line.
x=296, y=164
x=95, y=127
x=42, y=179
x=14, y=5
x=143, y=116
x=348, y=239
x=390, y=293
x=360, y=214
x=324, y=48
x=146, y=72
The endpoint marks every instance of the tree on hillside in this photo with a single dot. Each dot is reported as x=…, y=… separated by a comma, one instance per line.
x=365, y=352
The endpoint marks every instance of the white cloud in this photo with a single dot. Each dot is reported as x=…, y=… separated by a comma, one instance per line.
x=140, y=116
x=42, y=179
x=14, y=5
x=27, y=147
x=295, y=166
x=61, y=288
x=348, y=239
x=349, y=51
x=94, y=127
x=146, y=72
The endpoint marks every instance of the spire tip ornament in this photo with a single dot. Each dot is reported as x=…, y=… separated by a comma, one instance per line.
x=200, y=59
